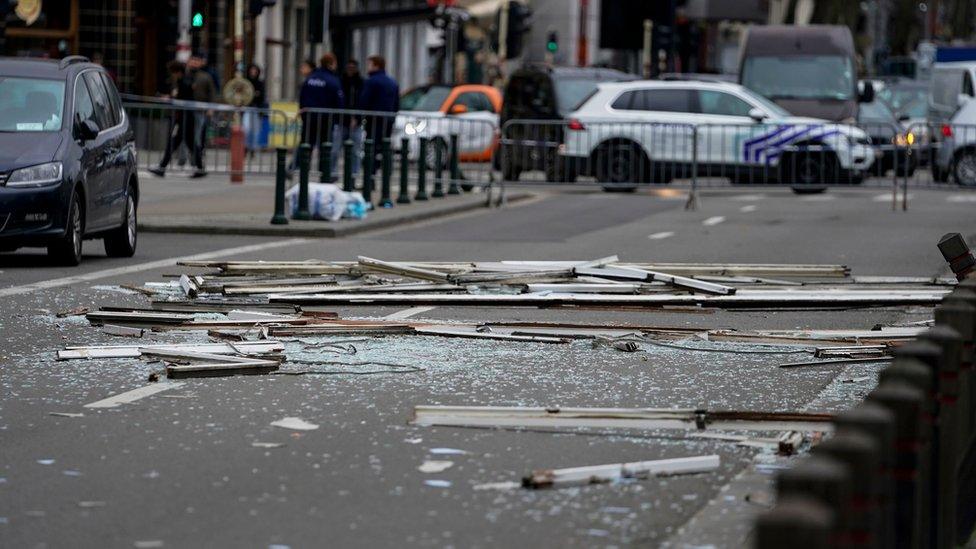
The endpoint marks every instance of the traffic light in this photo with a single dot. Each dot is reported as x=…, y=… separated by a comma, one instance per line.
x=197, y=20
x=255, y=7
x=519, y=23
x=552, y=42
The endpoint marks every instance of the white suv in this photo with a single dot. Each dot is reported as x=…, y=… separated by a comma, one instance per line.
x=654, y=130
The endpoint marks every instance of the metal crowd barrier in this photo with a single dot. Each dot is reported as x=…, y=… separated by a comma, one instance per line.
x=805, y=157
x=427, y=136
x=199, y=136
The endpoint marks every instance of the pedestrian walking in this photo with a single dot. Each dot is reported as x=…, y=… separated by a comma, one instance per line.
x=181, y=129
x=254, y=118
x=380, y=94
x=321, y=91
x=204, y=91
x=352, y=127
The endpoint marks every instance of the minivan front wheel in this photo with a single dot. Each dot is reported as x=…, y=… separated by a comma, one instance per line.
x=67, y=250
x=122, y=241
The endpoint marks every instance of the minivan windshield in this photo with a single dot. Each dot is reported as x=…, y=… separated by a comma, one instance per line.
x=30, y=104
x=800, y=76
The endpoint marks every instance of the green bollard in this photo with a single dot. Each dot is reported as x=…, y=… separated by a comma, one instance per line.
x=279, y=205
x=304, y=159
x=325, y=162
x=404, y=196
x=453, y=188
x=368, y=160
x=387, y=166
x=348, y=183
x=438, y=169
x=422, y=170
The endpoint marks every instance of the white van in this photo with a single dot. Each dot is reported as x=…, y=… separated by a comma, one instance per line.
x=952, y=111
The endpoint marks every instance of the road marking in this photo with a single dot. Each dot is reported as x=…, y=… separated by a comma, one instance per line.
x=134, y=395
x=747, y=209
x=107, y=273
x=713, y=221
x=661, y=235
x=407, y=313
x=887, y=197
x=748, y=197
x=819, y=198
x=959, y=197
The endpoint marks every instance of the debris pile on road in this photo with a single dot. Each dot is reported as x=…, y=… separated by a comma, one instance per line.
x=248, y=307
x=605, y=282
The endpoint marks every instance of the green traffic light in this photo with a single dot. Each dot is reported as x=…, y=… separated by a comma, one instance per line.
x=197, y=20
x=552, y=46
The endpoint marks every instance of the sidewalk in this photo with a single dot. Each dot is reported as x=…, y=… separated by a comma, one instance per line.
x=212, y=205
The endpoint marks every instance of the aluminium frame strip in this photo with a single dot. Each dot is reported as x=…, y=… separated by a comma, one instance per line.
x=618, y=418
x=135, y=351
x=595, y=474
x=742, y=298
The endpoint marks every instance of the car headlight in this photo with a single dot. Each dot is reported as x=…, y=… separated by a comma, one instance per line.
x=32, y=176
x=415, y=127
x=904, y=139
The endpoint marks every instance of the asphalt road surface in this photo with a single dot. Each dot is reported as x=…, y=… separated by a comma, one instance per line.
x=180, y=468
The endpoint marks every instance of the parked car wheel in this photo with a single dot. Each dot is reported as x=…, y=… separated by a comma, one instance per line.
x=122, y=241
x=964, y=169
x=510, y=167
x=67, y=250
x=558, y=169
x=620, y=163
x=810, y=173
x=939, y=174
x=436, y=144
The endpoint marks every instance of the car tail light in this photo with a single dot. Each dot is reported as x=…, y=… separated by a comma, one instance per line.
x=575, y=125
x=946, y=130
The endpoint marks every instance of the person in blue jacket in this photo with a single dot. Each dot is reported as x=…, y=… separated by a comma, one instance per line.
x=322, y=89
x=380, y=94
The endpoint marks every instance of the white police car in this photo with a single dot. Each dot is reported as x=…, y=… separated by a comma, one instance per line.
x=653, y=131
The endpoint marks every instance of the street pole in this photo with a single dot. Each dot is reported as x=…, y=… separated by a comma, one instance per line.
x=503, y=37
x=183, y=25
x=646, y=53
x=583, y=45
x=236, y=130
x=450, y=48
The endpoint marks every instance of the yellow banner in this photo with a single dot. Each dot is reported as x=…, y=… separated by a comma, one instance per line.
x=285, y=125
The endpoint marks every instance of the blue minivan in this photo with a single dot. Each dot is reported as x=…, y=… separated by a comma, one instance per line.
x=67, y=159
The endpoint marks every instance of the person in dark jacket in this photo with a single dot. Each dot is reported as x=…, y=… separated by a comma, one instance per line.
x=351, y=126
x=380, y=94
x=254, y=119
x=182, y=122
x=322, y=90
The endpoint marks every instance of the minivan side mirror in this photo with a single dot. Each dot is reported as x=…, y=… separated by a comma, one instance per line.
x=757, y=114
x=962, y=99
x=86, y=130
x=867, y=92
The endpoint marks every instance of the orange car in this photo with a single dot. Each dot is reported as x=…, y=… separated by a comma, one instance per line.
x=436, y=111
